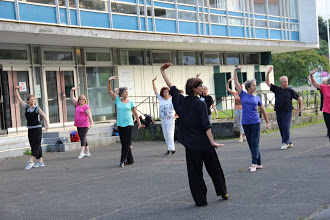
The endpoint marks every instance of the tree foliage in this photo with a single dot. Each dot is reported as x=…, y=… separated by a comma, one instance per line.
x=297, y=65
x=323, y=51
x=323, y=28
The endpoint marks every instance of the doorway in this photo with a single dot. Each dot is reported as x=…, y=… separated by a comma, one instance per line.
x=2, y=110
x=58, y=83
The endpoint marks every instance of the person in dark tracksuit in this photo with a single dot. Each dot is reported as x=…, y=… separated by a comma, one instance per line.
x=34, y=129
x=197, y=138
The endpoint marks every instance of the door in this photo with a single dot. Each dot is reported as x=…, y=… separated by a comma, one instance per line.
x=58, y=84
x=2, y=111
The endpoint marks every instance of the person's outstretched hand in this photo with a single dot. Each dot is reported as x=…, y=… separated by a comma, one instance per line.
x=214, y=144
x=165, y=66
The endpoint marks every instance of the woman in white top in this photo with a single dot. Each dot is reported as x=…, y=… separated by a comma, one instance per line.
x=167, y=115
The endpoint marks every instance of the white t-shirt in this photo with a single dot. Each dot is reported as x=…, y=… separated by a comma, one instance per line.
x=166, y=109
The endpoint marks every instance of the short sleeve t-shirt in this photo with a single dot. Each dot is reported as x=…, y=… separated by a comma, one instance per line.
x=283, y=98
x=250, y=105
x=124, y=113
x=209, y=101
x=325, y=89
x=80, y=117
x=166, y=109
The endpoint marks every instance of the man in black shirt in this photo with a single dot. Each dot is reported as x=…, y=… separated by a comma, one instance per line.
x=283, y=107
x=209, y=102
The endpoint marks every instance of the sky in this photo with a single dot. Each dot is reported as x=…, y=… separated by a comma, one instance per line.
x=321, y=7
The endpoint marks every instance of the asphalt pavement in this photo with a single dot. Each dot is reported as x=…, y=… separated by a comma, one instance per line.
x=294, y=183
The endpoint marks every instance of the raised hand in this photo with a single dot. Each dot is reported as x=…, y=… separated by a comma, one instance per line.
x=269, y=70
x=198, y=74
x=154, y=79
x=239, y=67
x=75, y=88
x=112, y=78
x=231, y=79
x=314, y=71
x=165, y=66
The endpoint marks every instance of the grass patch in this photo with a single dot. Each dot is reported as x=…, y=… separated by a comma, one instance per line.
x=27, y=152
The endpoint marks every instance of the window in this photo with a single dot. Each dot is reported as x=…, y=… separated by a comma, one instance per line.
x=259, y=6
x=235, y=21
x=91, y=56
x=260, y=77
x=58, y=55
x=98, y=5
x=72, y=3
x=135, y=57
x=273, y=24
x=189, y=2
x=260, y=23
x=221, y=4
x=36, y=55
x=13, y=54
x=218, y=19
x=232, y=59
x=210, y=58
x=164, y=13
x=252, y=58
x=293, y=9
x=161, y=57
x=206, y=17
x=242, y=77
x=294, y=27
x=188, y=58
x=48, y=2
x=184, y=15
x=234, y=5
x=123, y=8
x=274, y=7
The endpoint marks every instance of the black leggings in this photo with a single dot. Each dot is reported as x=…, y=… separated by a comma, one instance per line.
x=327, y=120
x=34, y=135
x=82, y=132
x=125, y=134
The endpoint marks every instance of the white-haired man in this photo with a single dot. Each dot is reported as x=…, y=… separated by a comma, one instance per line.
x=283, y=107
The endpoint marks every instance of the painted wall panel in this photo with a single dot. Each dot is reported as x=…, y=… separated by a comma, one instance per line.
x=94, y=19
x=7, y=10
x=236, y=31
x=63, y=16
x=261, y=33
x=275, y=34
x=165, y=26
x=124, y=22
x=219, y=30
x=188, y=28
x=73, y=17
x=164, y=5
x=295, y=35
x=40, y=13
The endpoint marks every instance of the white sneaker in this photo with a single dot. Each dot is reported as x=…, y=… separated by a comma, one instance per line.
x=284, y=146
x=240, y=140
x=81, y=155
x=253, y=168
x=290, y=145
x=29, y=165
x=87, y=155
x=38, y=164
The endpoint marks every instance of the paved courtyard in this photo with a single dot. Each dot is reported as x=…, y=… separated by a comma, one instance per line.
x=294, y=184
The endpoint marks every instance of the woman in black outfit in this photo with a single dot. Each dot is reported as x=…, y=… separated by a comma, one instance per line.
x=197, y=138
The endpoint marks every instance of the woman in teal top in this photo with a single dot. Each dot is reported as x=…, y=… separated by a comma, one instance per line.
x=125, y=108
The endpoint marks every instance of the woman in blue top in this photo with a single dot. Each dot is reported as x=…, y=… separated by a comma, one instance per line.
x=125, y=108
x=250, y=117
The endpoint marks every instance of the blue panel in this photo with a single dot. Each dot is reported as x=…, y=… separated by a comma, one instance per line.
x=130, y=1
x=188, y=8
x=141, y=2
x=248, y=34
x=275, y=34
x=218, y=12
x=165, y=26
x=94, y=19
x=148, y=3
x=63, y=16
x=261, y=33
x=40, y=13
x=219, y=30
x=7, y=10
x=150, y=26
x=200, y=10
x=143, y=24
x=73, y=16
x=124, y=22
x=274, y=19
x=260, y=17
x=207, y=29
x=164, y=5
x=236, y=31
x=235, y=14
x=295, y=35
x=294, y=21
x=201, y=28
x=188, y=28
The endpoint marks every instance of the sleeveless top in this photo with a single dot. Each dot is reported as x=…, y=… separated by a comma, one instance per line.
x=32, y=117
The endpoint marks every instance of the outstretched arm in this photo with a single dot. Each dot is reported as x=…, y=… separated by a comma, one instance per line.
x=314, y=83
x=111, y=93
x=154, y=86
x=237, y=85
x=73, y=99
x=262, y=108
x=162, y=71
x=267, y=77
x=228, y=89
x=19, y=97
x=45, y=117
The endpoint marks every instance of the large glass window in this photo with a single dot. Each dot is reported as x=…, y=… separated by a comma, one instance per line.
x=252, y=58
x=274, y=24
x=232, y=58
x=123, y=8
x=184, y=15
x=235, y=21
x=72, y=3
x=189, y=2
x=218, y=19
x=293, y=9
x=98, y=5
x=6, y=54
x=58, y=55
x=48, y=2
x=161, y=57
x=164, y=13
x=259, y=6
x=294, y=27
x=188, y=58
x=90, y=56
x=274, y=7
x=234, y=5
x=221, y=4
x=211, y=58
x=98, y=97
x=260, y=23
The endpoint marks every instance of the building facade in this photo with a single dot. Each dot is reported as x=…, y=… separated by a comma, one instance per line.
x=49, y=46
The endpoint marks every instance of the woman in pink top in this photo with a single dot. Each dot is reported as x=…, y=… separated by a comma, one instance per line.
x=83, y=121
x=325, y=90
x=238, y=112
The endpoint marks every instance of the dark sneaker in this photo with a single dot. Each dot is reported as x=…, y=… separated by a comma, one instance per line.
x=169, y=153
x=29, y=165
x=121, y=165
x=127, y=163
x=225, y=197
x=173, y=151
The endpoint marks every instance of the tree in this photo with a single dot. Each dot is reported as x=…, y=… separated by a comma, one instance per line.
x=322, y=29
x=323, y=51
x=297, y=65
